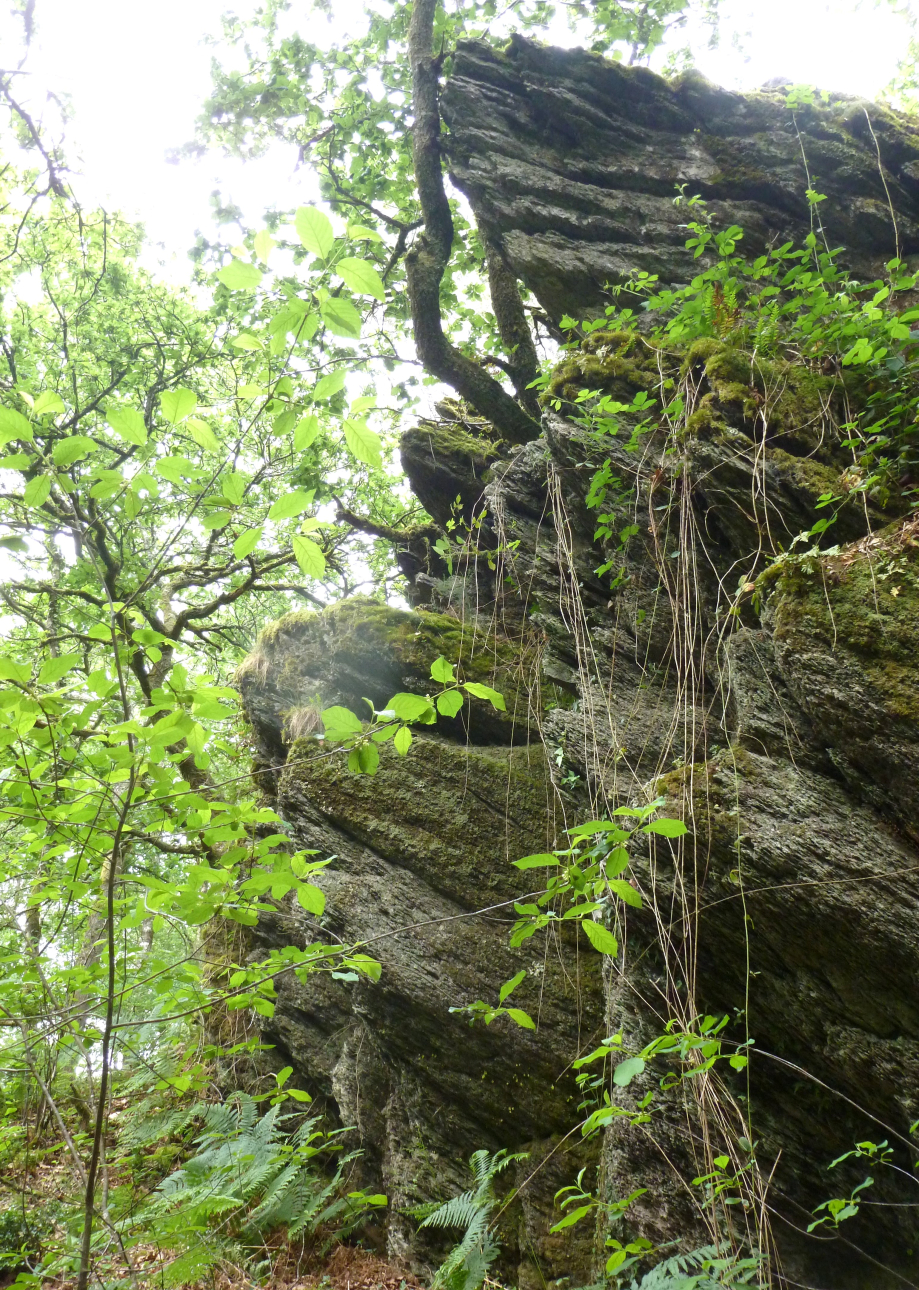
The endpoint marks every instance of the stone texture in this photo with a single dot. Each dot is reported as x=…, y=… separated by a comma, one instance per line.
x=774, y=705
x=571, y=163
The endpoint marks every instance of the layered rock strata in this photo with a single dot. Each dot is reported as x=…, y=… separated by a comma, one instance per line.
x=771, y=700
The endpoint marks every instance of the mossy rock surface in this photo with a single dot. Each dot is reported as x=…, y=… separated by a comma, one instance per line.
x=847, y=637
x=364, y=649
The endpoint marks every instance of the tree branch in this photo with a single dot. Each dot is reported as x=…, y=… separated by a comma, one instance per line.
x=428, y=258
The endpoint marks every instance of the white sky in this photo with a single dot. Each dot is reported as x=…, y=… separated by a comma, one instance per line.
x=138, y=70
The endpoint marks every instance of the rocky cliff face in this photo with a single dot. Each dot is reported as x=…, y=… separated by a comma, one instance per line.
x=775, y=706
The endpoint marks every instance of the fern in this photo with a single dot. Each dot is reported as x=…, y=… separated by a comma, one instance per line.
x=247, y=1178
x=467, y=1264
x=711, y=1267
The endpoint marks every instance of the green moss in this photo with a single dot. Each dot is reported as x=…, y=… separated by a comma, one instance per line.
x=863, y=601
x=613, y=362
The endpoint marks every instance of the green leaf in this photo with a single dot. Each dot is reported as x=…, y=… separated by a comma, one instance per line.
x=246, y=543
x=297, y=1093
x=216, y=520
x=13, y=544
x=66, y=451
x=233, y=487
x=264, y=244
x=340, y=723
x=309, y=556
x=327, y=386
x=442, y=671
x=178, y=404
x=509, y=986
x=361, y=233
x=128, y=424
x=314, y=231
x=369, y=758
x=48, y=402
x=341, y=317
x=626, y=892
x=311, y=898
x=411, y=707
x=239, y=276
x=522, y=1018
x=536, y=862
x=306, y=432
x=572, y=1217
x=628, y=1070
x=37, y=491
x=246, y=342
x=600, y=938
x=361, y=277
x=485, y=692
x=666, y=828
x=291, y=504
x=13, y=425
x=362, y=442
x=10, y=670
x=403, y=740
x=203, y=435
x=54, y=668
x=449, y=703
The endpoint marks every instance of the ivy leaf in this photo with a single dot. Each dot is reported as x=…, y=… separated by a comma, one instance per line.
x=246, y=543
x=291, y=504
x=327, y=386
x=66, y=451
x=308, y=556
x=178, y=404
x=600, y=938
x=361, y=276
x=402, y=741
x=314, y=231
x=341, y=317
x=306, y=432
x=628, y=1070
x=442, y=671
x=239, y=276
x=311, y=898
x=449, y=703
x=485, y=692
x=128, y=424
x=37, y=491
x=203, y=435
x=362, y=442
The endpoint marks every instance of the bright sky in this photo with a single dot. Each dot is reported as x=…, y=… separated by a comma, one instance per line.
x=138, y=70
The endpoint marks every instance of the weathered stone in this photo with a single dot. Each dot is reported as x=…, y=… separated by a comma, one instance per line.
x=571, y=163
x=770, y=698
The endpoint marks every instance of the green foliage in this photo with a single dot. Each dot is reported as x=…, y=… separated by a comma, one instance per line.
x=247, y=1178
x=467, y=1264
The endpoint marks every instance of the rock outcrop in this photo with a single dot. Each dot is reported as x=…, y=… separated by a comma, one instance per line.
x=571, y=163
x=772, y=700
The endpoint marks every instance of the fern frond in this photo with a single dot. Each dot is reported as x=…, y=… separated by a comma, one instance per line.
x=459, y=1211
